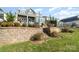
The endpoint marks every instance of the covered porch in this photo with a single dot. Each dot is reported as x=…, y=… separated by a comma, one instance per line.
x=28, y=20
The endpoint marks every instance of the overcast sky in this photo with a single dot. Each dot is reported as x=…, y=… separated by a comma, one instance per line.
x=58, y=12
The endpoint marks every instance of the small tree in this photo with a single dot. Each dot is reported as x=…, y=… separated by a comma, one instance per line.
x=52, y=21
x=10, y=17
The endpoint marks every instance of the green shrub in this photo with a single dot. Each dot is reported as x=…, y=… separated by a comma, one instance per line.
x=71, y=31
x=31, y=25
x=67, y=30
x=0, y=24
x=10, y=24
x=3, y=24
x=7, y=24
x=17, y=24
x=36, y=37
x=24, y=25
x=36, y=25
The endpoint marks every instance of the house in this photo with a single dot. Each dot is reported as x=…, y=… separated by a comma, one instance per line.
x=29, y=16
x=2, y=16
x=71, y=21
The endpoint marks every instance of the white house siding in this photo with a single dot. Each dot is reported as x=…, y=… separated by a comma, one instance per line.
x=1, y=17
x=29, y=12
x=42, y=20
x=37, y=19
x=76, y=22
x=26, y=16
x=60, y=24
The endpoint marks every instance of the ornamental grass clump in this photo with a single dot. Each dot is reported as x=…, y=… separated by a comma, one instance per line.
x=55, y=31
x=37, y=37
x=52, y=31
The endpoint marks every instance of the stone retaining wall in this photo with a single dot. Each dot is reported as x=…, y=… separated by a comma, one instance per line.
x=16, y=34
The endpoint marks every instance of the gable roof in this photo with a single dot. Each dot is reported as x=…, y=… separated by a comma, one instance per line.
x=26, y=11
x=70, y=19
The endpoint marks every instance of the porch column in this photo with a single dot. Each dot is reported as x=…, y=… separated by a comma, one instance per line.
x=35, y=19
x=39, y=18
x=16, y=17
x=27, y=21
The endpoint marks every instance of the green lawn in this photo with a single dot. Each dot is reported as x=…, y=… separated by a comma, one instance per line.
x=66, y=42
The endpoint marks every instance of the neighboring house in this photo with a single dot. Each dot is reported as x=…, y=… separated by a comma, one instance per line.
x=71, y=21
x=2, y=16
x=29, y=16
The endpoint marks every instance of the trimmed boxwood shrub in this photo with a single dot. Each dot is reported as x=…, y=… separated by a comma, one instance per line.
x=3, y=24
x=17, y=24
x=7, y=24
x=24, y=25
x=10, y=24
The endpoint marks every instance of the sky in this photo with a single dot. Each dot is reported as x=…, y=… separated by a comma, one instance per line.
x=58, y=12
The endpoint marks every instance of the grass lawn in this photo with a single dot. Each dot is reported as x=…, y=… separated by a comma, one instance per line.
x=68, y=42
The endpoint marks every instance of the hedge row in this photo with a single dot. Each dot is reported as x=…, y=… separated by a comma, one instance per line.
x=10, y=24
x=16, y=24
